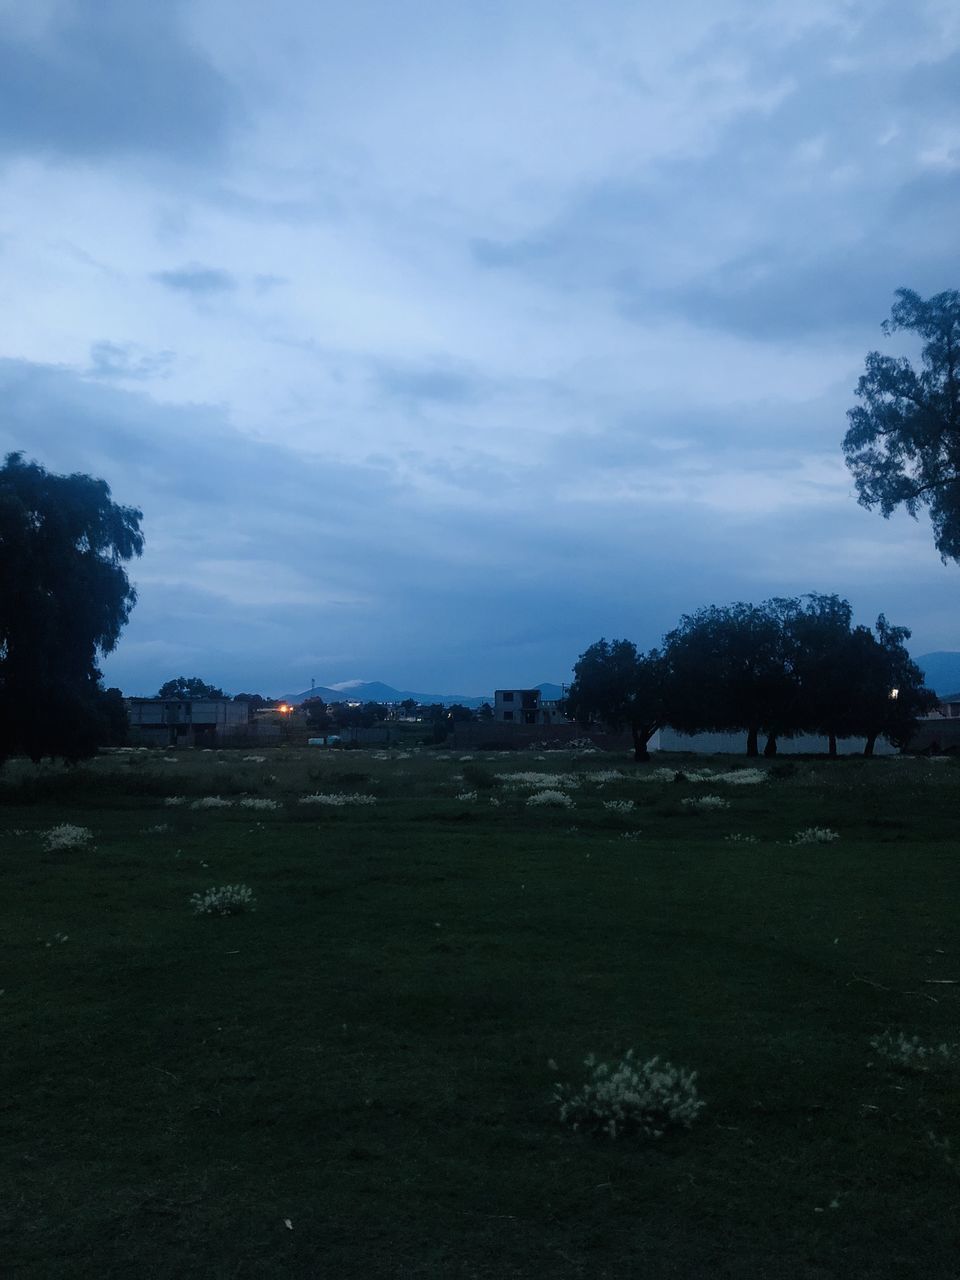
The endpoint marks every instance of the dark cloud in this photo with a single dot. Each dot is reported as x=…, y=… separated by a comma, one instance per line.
x=437, y=383
x=112, y=76
x=198, y=280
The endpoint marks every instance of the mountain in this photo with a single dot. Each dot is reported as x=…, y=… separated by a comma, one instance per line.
x=375, y=691
x=550, y=692
x=941, y=671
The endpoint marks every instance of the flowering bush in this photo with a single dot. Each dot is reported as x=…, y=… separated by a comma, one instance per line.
x=228, y=900
x=66, y=836
x=816, y=835
x=550, y=797
x=741, y=777
x=254, y=759
x=705, y=804
x=212, y=802
x=606, y=775
x=618, y=806
x=911, y=1055
x=466, y=795
x=175, y=800
x=643, y=1098
x=252, y=802
x=337, y=799
x=737, y=837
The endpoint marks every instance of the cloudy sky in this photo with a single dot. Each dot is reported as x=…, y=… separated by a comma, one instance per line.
x=437, y=340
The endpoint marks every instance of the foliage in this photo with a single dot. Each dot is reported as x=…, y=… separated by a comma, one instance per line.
x=903, y=442
x=64, y=599
x=192, y=687
x=616, y=686
x=631, y=1098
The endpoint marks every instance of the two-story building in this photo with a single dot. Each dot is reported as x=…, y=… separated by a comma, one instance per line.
x=185, y=722
x=526, y=707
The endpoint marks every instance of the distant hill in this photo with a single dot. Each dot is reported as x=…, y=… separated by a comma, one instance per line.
x=375, y=691
x=941, y=671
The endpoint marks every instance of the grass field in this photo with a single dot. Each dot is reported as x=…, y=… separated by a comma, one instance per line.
x=352, y=1079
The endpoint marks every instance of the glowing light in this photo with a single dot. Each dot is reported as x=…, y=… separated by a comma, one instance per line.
x=894, y=693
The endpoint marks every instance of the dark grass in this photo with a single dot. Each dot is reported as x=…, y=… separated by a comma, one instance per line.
x=366, y=1053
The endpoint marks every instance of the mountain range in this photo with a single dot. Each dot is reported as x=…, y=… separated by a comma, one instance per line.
x=376, y=691
x=941, y=671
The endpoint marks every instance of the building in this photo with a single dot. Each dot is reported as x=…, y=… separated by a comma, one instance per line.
x=526, y=707
x=185, y=722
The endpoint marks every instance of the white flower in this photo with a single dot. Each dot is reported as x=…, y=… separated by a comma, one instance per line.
x=816, y=835
x=212, y=802
x=466, y=795
x=705, y=804
x=66, y=836
x=254, y=759
x=252, y=802
x=228, y=900
x=737, y=837
x=550, y=797
x=910, y=1054
x=174, y=800
x=618, y=806
x=540, y=779
x=643, y=1098
x=337, y=800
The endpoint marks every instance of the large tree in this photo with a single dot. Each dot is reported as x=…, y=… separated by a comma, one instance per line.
x=189, y=687
x=903, y=443
x=730, y=669
x=618, y=687
x=64, y=599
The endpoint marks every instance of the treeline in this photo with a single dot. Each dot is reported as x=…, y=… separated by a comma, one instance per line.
x=775, y=669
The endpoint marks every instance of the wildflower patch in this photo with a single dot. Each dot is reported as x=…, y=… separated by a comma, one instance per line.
x=548, y=797
x=227, y=900
x=618, y=806
x=642, y=1098
x=815, y=835
x=67, y=836
x=337, y=799
x=910, y=1054
x=212, y=802
x=705, y=804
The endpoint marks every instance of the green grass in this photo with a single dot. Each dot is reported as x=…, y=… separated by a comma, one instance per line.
x=366, y=1053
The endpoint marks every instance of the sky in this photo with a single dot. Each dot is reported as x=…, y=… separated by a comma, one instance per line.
x=437, y=341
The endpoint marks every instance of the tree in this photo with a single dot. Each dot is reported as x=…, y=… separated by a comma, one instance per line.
x=903, y=443
x=255, y=701
x=64, y=600
x=194, y=687
x=615, y=685
x=825, y=659
x=318, y=717
x=730, y=669
x=891, y=693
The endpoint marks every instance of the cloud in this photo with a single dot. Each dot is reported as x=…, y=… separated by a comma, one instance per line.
x=102, y=77
x=196, y=279
x=127, y=361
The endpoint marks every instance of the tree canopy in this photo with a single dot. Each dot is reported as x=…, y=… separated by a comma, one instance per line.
x=64, y=600
x=621, y=688
x=783, y=667
x=903, y=442
x=189, y=687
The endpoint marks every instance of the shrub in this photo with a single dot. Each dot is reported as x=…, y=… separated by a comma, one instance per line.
x=66, y=836
x=640, y=1098
x=228, y=900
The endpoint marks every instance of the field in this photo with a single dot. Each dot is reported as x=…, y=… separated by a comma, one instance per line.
x=355, y=1077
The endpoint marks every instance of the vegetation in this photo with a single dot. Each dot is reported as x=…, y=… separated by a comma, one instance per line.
x=358, y=1078
x=64, y=599
x=783, y=667
x=903, y=443
x=190, y=687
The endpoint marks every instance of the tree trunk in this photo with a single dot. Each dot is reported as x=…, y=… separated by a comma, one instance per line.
x=771, y=748
x=752, y=748
x=833, y=746
x=869, y=745
x=641, y=736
